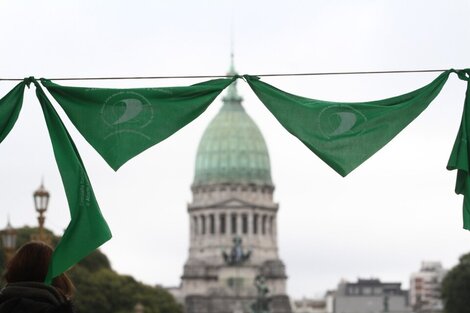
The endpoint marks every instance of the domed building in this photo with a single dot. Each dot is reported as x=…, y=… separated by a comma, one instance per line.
x=233, y=264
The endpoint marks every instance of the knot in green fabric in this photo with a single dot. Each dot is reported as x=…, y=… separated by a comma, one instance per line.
x=463, y=74
x=246, y=76
x=29, y=80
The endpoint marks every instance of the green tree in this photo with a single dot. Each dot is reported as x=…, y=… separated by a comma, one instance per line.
x=456, y=287
x=105, y=291
x=95, y=261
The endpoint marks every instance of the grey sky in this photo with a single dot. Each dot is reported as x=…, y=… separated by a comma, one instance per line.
x=382, y=220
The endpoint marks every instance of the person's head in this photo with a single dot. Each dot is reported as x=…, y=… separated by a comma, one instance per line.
x=31, y=262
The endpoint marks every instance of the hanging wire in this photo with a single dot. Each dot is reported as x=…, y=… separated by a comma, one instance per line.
x=228, y=76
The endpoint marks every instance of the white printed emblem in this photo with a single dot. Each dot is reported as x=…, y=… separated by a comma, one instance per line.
x=341, y=120
x=127, y=112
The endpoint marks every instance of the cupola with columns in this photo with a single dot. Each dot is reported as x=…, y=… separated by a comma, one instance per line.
x=232, y=188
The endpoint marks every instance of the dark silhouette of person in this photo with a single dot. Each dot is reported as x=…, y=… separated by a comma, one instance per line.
x=26, y=291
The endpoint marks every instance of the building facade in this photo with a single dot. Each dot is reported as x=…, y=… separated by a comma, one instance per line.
x=425, y=286
x=371, y=296
x=233, y=263
x=306, y=305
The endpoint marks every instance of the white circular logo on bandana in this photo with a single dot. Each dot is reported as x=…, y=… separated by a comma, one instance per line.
x=127, y=111
x=341, y=120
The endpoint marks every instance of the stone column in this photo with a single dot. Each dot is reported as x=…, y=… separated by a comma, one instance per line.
x=268, y=226
x=239, y=224
x=275, y=230
x=191, y=228
x=217, y=224
x=271, y=229
x=250, y=224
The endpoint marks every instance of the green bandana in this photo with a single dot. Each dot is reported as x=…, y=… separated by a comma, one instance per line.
x=87, y=229
x=121, y=123
x=10, y=107
x=459, y=158
x=344, y=135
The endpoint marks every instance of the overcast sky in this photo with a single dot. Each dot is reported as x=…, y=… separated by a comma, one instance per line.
x=391, y=213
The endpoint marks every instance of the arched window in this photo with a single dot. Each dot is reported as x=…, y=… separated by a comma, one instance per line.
x=255, y=223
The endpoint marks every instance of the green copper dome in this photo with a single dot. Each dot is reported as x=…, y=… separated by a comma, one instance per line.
x=232, y=149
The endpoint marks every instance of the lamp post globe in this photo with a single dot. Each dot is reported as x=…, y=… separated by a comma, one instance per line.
x=9, y=241
x=41, y=201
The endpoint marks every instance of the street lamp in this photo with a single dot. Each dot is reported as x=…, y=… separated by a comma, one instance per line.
x=9, y=241
x=41, y=201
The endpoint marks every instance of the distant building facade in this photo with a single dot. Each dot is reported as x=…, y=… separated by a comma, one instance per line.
x=371, y=296
x=306, y=305
x=315, y=305
x=233, y=263
x=425, y=286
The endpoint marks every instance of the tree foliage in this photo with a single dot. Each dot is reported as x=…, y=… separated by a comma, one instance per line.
x=456, y=287
x=100, y=289
x=106, y=291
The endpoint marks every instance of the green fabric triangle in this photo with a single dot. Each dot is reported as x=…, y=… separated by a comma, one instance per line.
x=459, y=158
x=121, y=123
x=10, y=107
x=87, y=229
x=345, y=134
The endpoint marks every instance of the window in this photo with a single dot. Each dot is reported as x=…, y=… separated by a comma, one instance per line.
x=255, y=223
x=263, y=225
x=203, y=224
x=245, y=224
x=271, y=225
x=222, y=223
x=234, y=223
x=212, y=223
x=196, y=231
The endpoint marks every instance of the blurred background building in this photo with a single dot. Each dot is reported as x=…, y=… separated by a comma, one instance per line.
x=363, y=296
x=425, y=288
x=370, y=296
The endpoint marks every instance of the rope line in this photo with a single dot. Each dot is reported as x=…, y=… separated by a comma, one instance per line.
x=228, y=76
